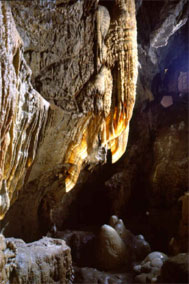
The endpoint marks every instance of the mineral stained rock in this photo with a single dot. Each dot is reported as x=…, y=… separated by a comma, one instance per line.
x=45, y=261
x=85, y=112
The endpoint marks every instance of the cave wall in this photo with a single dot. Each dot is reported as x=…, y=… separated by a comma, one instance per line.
x=147, y=186
x=64, y=127
x=24, y=113
x=80, y=112
x=87, y=84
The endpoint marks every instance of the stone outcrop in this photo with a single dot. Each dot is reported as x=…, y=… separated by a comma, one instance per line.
x=45, y=261
x=86, y=74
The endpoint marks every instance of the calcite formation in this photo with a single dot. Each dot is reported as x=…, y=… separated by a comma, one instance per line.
x=46, y=141
x=23, y=112
x=3, y=275
x=116, y=246
x=45, y=261
x=149, y=269
x=109, y=99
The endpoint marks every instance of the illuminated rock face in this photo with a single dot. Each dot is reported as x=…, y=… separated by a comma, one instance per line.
x=45, y=144
x=108, y=100
x=23, y=113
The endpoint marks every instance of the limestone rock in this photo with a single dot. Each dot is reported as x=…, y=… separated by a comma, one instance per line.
x=149, y=269
x=3, y=275
x=119, y=226
x=24, y=112
x=116, y=246
x=173, y=16
x=92, y=275
x=175, y=269
x=111, y=249
x=44, y=261
x=86, y=111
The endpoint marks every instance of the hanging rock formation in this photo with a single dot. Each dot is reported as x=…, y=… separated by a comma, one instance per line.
x=88, y=96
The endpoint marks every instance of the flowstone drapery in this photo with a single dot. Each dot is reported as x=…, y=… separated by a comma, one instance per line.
x=45, y=138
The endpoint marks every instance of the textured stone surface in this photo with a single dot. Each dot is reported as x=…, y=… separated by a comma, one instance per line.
x=59, y=47
x=148, y=182
x=3, y=261
x=45, y=261
x=23, y=113
x=145, y=191
x=87, y=102
x=172, y=17
x=88, y=109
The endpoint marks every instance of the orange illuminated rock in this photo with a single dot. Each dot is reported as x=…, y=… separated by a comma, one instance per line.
x=113, y=89
x=42, y=141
